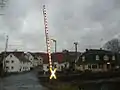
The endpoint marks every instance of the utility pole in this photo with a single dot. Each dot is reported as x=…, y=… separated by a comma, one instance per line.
x=54, y=58
x=6, y=46
x=76, y=44
x=55, y=44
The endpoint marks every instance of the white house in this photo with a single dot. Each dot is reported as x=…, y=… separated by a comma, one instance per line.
x=11, y=63
x=39, y=60
x=35, y=58
x=63, y=65
x=57, y=59
x=16, y=62
x=30, y=58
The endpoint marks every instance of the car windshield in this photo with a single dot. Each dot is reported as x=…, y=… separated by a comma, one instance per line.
x=59, y=44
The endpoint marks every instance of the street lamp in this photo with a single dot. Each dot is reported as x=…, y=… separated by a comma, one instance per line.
x=55, y=44
x=55, y=48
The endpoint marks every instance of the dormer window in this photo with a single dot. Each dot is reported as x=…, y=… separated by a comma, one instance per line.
x=83, y=58
x=106, y=58
x=10, y=55
x=113, y=57
x=97, y=57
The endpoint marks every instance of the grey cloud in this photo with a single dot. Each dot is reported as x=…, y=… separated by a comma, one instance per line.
x=85, y=21
x=73, y=18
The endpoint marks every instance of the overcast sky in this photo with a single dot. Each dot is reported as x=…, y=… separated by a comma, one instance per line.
x=89, y=22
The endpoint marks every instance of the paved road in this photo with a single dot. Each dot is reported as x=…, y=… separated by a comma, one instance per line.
x=27, y=81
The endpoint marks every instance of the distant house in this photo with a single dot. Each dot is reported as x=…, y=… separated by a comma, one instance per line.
x=71, y=57
x=97, y=60
x=38, y=60
x=65, y=59
x=29, y=56
x=42, y=60
x=16, y=62
x=58, y=60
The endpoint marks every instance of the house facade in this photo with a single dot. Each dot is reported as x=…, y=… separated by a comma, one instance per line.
x=97, y=60
x=60, y=61
x=30, y=58
x=12, y=63
x=16, y=62
x=38, y=60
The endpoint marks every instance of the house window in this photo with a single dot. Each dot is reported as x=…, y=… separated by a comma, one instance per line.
x=94, y=66
x=47, y=67
x=113, y=57
x=12, y=61
x=83, y=58
x=7, y=61
x=100, y=66
x=97, y=57
x=89, y=66
x=106, y=58
x=12, y=67
x=86, y=66
x=55, y=66
x=10, y=55
x=62, y=67
x=7, y=67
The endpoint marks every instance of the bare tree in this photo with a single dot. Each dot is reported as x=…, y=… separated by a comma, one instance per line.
x=112, y=45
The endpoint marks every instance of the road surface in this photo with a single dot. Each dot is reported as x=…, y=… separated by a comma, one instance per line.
x=26, y=81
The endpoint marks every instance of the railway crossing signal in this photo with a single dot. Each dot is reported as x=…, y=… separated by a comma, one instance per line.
x=53, y=73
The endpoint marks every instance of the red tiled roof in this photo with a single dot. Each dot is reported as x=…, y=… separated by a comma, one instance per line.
x=18, y=54
x=58, y=56
x=44, y=56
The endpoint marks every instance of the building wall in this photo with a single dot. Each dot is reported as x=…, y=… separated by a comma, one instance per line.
x=12, y=63
x=45, y=67
x=90, y=67
x=62, y=65
x=25, y=66
x=31, y=59
x=40, y=60
x=35, y=62
x=57, y=66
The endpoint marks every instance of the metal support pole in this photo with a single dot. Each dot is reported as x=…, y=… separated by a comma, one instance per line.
x=76, y=44
x=55, y=46
x=6, y=46
x=55, y=42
